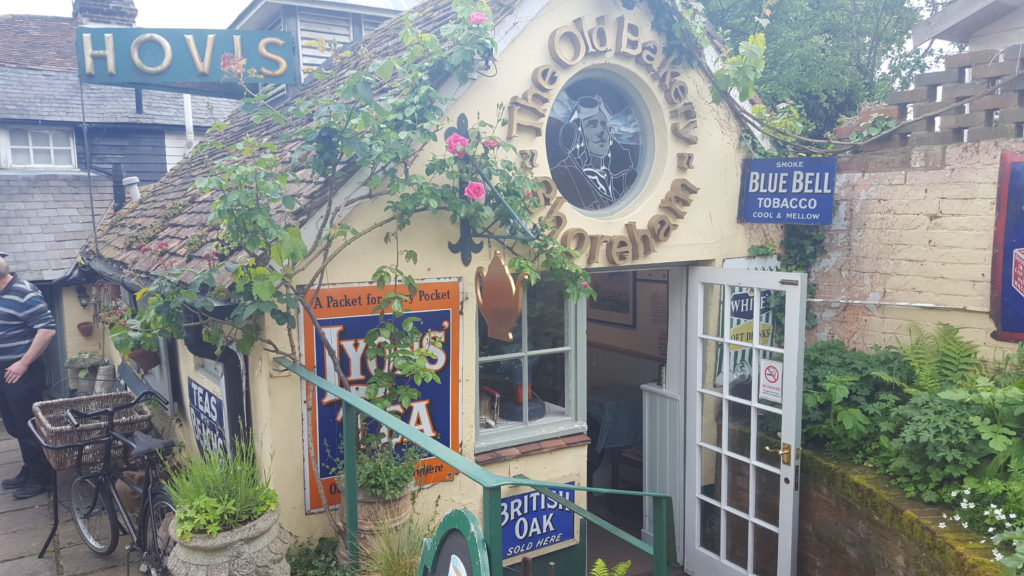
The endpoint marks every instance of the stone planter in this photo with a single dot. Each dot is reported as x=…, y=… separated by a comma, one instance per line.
x=258, y=548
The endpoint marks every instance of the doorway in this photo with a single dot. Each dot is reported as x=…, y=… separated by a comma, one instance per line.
x=694, y=390
x=627, y=352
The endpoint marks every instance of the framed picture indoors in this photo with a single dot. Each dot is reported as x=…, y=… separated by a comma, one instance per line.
x=616, y=298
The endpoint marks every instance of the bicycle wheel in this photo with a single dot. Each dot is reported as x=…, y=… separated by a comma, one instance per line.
x=156, y=525
x=95, y=517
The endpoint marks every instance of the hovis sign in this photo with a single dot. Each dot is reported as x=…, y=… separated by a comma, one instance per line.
x=170, y=59
x=788, y=190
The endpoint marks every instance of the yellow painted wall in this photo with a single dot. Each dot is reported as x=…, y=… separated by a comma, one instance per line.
x=709, y=232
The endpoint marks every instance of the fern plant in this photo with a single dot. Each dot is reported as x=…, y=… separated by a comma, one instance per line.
x=937, y=360
x=601, y=568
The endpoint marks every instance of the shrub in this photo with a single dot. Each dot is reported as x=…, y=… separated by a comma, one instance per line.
x=848, y=409
x=393, y=551
x=309, y=559
x=216, y=491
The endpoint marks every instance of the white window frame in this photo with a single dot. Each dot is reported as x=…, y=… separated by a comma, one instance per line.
x=7, y=157
x=574, y=420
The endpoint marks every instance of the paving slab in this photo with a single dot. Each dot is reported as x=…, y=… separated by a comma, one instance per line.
x=29, y=566
x=25, y=524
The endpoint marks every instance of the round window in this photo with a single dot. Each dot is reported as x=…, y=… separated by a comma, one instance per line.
x=596, y=138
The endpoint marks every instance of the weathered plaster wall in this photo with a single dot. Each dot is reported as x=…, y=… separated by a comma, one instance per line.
x=911, y=241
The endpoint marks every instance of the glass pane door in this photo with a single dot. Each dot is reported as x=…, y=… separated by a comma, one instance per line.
x=744, y=374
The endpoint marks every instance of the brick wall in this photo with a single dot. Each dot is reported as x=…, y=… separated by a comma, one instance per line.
x=116, y=12
x=853, y=524
x=911, y=241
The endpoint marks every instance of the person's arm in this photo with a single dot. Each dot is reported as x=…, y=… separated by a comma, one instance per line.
x=41, y=340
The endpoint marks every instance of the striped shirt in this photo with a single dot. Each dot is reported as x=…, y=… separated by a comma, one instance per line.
x=22, y=312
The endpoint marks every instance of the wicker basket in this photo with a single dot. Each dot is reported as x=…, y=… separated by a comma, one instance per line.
x=63, y=443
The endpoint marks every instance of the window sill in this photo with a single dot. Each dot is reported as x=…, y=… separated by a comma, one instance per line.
x=531, y=448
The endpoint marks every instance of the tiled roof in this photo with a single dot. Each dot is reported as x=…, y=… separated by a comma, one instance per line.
x=39, y=81
x=55, y=96
x=46, y=219
x=171, y=212
x=42, y=42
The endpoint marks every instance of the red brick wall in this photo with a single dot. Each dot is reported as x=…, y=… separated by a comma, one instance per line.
x=853, y=524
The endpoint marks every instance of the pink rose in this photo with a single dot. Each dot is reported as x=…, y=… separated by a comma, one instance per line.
x=475, y=191
x=491, y=143
x=457, y=144
x=477, y=18
x=585, y=284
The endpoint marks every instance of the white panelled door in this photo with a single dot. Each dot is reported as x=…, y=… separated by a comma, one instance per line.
x=744, y=374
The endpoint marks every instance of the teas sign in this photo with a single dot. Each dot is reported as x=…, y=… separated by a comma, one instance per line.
x=531, y=521
x=345, y=314
x=206, y=412
x=788, y=191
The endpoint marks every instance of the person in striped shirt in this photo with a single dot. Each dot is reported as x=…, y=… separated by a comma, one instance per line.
x=26, y=328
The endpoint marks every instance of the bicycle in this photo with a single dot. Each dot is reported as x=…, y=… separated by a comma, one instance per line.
x=98, y=509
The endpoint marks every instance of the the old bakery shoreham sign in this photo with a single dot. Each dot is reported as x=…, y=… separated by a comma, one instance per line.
x=568, y=45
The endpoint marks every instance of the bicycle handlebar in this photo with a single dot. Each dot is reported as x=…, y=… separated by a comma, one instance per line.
x=145, y=395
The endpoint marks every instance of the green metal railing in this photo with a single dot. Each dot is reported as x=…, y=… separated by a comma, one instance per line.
x=662, y=548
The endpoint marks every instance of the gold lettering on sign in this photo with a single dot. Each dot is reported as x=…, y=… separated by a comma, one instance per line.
x=264, y=50
x=107, y=54
x=202, y=66
x=568, y=46
x=164, y=45
x=567, y=37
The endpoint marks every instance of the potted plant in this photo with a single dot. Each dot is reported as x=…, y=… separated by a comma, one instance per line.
x=385, y=477
x=226, y=518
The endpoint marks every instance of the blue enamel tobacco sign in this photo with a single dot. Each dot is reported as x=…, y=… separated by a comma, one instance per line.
x=788, y=190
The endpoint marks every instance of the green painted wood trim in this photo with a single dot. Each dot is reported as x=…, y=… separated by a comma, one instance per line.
x=459, y=520
x=953, y=547
x=490, y=482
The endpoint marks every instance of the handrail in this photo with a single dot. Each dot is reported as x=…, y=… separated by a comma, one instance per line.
x=490, y=482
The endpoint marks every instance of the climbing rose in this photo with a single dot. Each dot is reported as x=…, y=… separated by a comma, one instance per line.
x=457, y=144
x=477, y=18
x=475, y=191
x=490, y=143
x=585, y=284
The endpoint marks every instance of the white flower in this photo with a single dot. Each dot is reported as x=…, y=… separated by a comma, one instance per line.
x=956, y=517
x=964, y=524
x=1013, y=516
x=954, y=494
x=942, y=524
x=967, y=491
x=991, y=529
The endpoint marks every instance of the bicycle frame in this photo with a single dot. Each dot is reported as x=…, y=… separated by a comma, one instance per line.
x=133, y=526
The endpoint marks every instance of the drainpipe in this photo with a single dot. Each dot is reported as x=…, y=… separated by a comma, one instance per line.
x=117, y=178
x=236, y=407
x=190, y=133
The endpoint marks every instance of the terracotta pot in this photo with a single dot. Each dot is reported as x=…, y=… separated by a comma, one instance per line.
x=259, y=547
x=85, y=328
x=145, y=360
